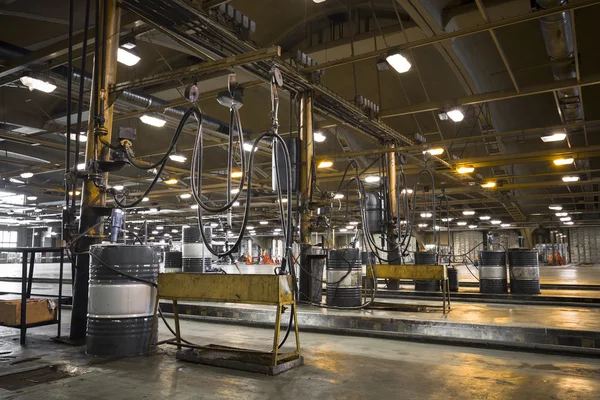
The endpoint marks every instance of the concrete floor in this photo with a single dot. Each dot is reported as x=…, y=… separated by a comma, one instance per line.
x=337, y=367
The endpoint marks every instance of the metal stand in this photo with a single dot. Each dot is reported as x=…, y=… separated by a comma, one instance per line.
x=273, y=290
x=26, y=284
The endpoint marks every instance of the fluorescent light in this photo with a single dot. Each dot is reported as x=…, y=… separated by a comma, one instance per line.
x=565, y=219
x=455, y=115
x=37, y=210
x=372, y=179
x=153, y=120
x=504, y=225
x=171, y=181
x=488, y=185
x=426, y=215
x=77, y=193
x=283, y=200
x=407, y=191
x=236, y=204
x=127, y=57
x=180, y=158
x=562, y=214
x=354, y=222
x=235, y=191
x=160, y=228
x=563, y=161
x=472, y=226
x=236, y=174
x=249, y=227
x=338, y=196
x=145, y=199
x=319, y=1
x=555, y=207
x=194, y=206
x=252, y=233
x=174, y=231
x=468, y=212
x=155, y=232
x=167, y=235
x=557, y=137
x=38, y=84
x=496, y=222
x=263, y=222
x=118, y=188
x=249, y=146
x=564, y=178
x=325, y=164
x=31, y=198
x=398, y=62
x=461, y=223
x=153, y=210
x=343, y=230
x=80, y=167
x=15, y=180
x=319, y=137
x=277, y=230
x=485, y=217
x=447, y=219
x=26, y=175
x=465, y=170
x=435, y=151
x=422, y=225
x=185, y=196
x=569, y=223
x=349, y=227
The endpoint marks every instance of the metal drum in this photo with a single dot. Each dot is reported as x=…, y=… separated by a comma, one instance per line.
x=344, y=278
x=312, y=260
x=172, y=262
x=120, y=309
x=524, y=271
x=195, y=257
x=426, y=258
x=492, y=272
x=453, y=279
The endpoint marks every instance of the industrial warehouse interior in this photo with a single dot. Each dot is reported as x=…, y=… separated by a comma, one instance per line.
x=328, y=199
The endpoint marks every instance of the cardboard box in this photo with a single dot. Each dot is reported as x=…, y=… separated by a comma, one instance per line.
x=38, y=310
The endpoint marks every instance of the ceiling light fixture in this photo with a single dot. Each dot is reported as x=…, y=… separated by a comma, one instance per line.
x=435, y=151
x=496, y=222
x=153, y=120
x=354, y=222
x=31, y=198
x=563, y=161
x=338, y=196
x=426, y=215
x=160, y=227
x=573, y=178
x=556, y=137
x=555, y=207
x=180, y=158
x=569, y=223
x=194, y=206
x=325, y=164
x=319, y=137
x=38, y=82
x=118, y=188
x=372, y=179
x=263, y=222
x=26, y=175
x=468, y=212
x=422, y=225
x=447, y=219
x=472, y=226
x=171, y=181
x=465, y=170
x=127, y=57
x=155, y=232
x=504, y=225
x=237, y=174
x=145, y=199
x=485, y=217
x=407, y=191
x=235, y=191
x=349, y=227
x=456, y=115
x=236, y=204
x=461, y=223
x=398, y=62
x=80, y=167
x=249, y=146
x=185, y=196
x=565, y=219
x=489, y=185
x=562, y=214
x=283, y=200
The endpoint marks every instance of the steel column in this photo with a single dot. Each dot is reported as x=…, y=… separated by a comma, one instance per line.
x=93, y=198
x=392, y=214
x=307, y=154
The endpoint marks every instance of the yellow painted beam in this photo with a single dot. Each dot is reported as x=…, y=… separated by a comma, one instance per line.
x=418, y=272
x=252, y=289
